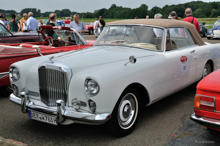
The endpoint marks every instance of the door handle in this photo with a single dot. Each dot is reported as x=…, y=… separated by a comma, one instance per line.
x=192, y=51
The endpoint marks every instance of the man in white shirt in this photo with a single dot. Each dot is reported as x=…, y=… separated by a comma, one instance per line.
x=95, y=27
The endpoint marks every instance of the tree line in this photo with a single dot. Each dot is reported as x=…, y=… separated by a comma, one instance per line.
x=200, y=10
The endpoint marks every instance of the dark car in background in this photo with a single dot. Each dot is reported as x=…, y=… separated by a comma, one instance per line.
x=215, y=31
x=7, y=36
x=203, y=29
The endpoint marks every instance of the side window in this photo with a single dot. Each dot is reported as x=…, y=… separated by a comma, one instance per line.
x=178, y=38
x=3, y=31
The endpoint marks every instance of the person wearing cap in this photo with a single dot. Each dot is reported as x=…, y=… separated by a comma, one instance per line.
x=158, y=16
x=77, y=25
x=32, y=23
x=172, y=15
x=189, y=18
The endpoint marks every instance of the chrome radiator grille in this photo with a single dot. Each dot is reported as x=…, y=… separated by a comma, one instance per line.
x=53, y=85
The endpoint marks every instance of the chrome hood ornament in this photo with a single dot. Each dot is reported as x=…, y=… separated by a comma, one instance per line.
x=51, y=59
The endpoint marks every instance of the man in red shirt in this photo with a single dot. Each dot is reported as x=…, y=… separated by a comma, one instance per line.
x=189, y=18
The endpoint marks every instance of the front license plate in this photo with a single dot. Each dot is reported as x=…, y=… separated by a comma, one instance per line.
x=42, y=117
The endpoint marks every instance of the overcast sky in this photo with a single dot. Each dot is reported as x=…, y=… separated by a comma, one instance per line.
x=83, y=5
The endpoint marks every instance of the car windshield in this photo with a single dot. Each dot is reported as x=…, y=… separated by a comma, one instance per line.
x=217, y=23
x=3, y=31
x=146, y=37
x=65, y=35
x=91, y=24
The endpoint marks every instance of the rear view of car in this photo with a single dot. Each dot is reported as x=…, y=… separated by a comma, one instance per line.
x=207, y=102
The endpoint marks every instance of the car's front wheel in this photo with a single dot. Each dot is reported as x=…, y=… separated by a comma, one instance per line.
x=208, y=38
x=207, y=69
x=90, y=31
x=205, y=34
x=125, y=114
x=6, y=90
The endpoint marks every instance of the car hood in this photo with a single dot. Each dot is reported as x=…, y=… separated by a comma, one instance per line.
x=210, y=82
x=4, y=49
x=97, y=55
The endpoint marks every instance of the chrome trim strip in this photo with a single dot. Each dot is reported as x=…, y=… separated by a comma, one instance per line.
x=89, y=118
x=205, y=120
x=3, y=74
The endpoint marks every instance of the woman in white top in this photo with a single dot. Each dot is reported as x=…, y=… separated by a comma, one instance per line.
x=25, y=23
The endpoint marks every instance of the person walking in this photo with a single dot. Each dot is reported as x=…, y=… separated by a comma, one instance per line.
x=189, y=18
x=95, y=27
x=77, y=25
x=101, y=23
x=13, y=25
x=32, y=23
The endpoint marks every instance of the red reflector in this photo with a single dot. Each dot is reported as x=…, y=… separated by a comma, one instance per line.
x=207, y=99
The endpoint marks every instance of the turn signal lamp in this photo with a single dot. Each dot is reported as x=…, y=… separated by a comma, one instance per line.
x=204, y=102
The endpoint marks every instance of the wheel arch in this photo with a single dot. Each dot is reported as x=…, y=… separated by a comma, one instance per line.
x=212, y=64
x=144, y=94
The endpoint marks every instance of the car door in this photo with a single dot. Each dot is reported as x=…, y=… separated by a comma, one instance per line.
x=180, y=58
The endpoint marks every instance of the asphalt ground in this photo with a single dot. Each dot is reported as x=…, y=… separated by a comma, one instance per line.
x=166, y=122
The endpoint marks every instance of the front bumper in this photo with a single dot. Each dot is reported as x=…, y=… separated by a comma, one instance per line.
x=208, y=122
x=61, y=113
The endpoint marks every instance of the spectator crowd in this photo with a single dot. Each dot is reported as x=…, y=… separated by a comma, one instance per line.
x=29, y=23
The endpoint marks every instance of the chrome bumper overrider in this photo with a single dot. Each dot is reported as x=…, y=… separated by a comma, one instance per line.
x=213, y=123
x=61, y=113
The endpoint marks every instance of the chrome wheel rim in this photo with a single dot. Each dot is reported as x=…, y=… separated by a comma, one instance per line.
x=127, y=111
x=206, y=70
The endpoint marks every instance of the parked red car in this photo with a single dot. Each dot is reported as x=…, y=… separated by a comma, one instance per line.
x=18, y=37
x=207, y=102
x=89, y=28
x=56, y=40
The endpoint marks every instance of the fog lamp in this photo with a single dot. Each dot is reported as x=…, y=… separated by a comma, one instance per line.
x=15, y=90
x=92, y=106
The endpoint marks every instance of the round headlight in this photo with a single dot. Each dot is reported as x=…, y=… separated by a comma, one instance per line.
x=91, y=87
x=210, y=31
x=14, y=74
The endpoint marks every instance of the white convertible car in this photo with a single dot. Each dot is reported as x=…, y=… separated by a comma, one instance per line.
x=108, y=82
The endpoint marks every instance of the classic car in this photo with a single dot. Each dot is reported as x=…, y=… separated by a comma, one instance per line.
x=215, y=31
x=109, y=82
x=89, y=28
x=203, y=29
x=18, y=37
x=65, y=39
x=207, y=102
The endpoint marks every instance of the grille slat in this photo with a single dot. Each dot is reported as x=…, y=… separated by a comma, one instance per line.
x=52, y=86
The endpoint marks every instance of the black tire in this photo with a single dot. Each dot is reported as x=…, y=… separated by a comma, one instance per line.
x=208, y=38
x=207, y=69
x=205, y=34
x=125, y=114
x=90, y=31
x=5, y=90
x=113, y=32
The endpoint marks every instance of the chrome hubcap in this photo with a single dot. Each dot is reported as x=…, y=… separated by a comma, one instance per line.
x=207, y=70
x=127, y=111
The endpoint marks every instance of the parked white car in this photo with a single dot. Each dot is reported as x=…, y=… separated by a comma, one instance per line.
x=109, y=82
